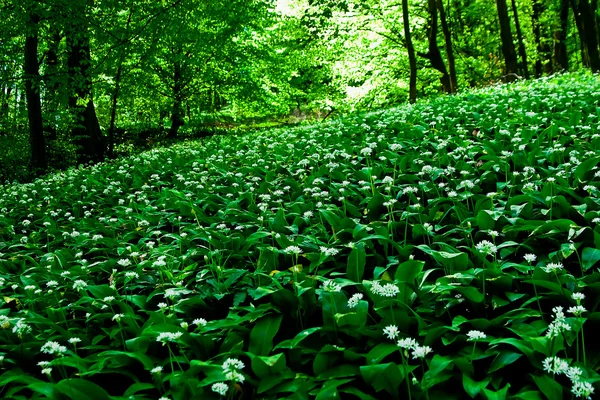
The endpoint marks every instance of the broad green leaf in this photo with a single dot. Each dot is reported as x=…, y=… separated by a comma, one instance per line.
x=261, y=336
x=589, y=257
x=356, y=263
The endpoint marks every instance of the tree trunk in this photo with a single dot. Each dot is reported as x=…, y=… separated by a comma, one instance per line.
x=508, y=47
x=115, y=96
x=86, y=132
x=590, y=34
x=585, y=59
x=32, y=93
x=433, y=52
x=52, y=99
x=412, y=59
x=594, y=6
x=449, y=49
x=561, y=57
x=177, y=113
x=522, y=52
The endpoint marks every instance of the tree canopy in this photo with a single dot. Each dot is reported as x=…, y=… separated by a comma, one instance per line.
x=82, y=78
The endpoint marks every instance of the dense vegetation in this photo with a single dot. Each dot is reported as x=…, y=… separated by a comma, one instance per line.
x=83, y=81
x=440, y=250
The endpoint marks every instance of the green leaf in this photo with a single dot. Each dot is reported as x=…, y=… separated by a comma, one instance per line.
x=80, y=389
x=261, y=337
x=379, y=352
x=472, y=387
x=503, y=359
x=356, y=263
x=409, y=270
x=382, y=377
x=589, y=257
x=547, y=385
x=498, y=395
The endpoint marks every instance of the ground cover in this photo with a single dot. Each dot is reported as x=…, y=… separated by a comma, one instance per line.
x=445, y=249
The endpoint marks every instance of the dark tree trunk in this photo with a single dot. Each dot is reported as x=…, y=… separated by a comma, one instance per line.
x=86, y=132
x=52, y=102
x=113, y=111
x=449, y=49
x=508, y=47
x=537, y=35
x=561, y=57
x=5, y=106
x=412, y=59
x=594, y=6
x=177, y=113
x=32, y=93
x=115, y=96
x=585, y=59
x=433, y=52
x=590, y=34
x=522, y=52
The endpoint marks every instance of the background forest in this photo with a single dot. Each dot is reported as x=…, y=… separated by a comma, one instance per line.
x=84, y=80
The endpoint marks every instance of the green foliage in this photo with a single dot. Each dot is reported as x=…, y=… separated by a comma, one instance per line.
x=446, y=249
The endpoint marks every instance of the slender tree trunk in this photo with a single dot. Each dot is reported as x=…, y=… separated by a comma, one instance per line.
x=32, y=93
x=522, y=52
x=177, y=113
x=5, y=106
x=433, y=52
x=52, y=99
x=115, y=95
x=561, y=57
x=590, y=33
x=508, y=47
x=449, y=49
x=412, y=59
x=537, y=35
x=113, y=111
x=585, y=59
x=86, y=132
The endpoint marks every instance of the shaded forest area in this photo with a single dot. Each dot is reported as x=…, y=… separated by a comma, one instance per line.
x=82, y=81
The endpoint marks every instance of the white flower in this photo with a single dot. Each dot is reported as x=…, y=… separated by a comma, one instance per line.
x=108, y=299
x=51, y=283
x=124, y=262
x=552, y=267
x=530, y=257
x=476, y=335
x=407, y=343
x=293, y=250
x=582, y=389
x=74, y=340
x=232, y=363
x=199, y=322
x=220, y=387
x=117, y=317
x=577, y=310
x=79, y=285
x=53, y=348
x=156, y=370
x=162, y=306
x=331, y=286
x=391, y=331
x=486, y=247
x=165, y=337
x=328, y=252
x=47, y=371
x=578, y=297
x=421, y=351
x=353, y=302
x=387, y=290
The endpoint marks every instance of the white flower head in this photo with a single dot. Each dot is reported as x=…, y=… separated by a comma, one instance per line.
x=220, y=388
x=391, y=331
x=353, y=302
x=476, y=335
